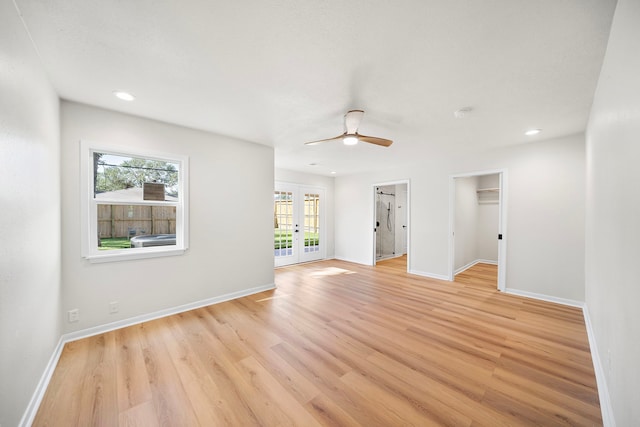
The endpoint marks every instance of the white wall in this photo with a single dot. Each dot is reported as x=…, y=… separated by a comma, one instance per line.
x=613, y=214
x=487, y=238
x=466, y=222
x=30, y=320
x=488, y=216
x=231, y=220
x=292, y=177
x=545, y=238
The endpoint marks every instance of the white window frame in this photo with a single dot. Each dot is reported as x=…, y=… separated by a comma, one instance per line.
x=89, y=206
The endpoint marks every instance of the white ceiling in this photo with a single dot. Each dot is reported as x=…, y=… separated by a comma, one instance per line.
x=284, y=72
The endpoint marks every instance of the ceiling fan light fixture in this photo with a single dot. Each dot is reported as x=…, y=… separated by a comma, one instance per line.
x=350, y=140
x=351, y=135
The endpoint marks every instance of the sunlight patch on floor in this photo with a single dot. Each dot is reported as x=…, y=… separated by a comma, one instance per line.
x=273, y=297
x=330, y=271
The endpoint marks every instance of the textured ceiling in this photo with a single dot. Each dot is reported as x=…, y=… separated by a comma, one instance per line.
x=281, y=73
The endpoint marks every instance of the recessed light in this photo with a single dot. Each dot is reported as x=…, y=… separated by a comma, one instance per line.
x=532, y=132
x=125, y=96
x=313, y=164
x=333, y=172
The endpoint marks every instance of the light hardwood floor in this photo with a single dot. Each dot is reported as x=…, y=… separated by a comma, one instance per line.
x=337, y=344
x=481, y=274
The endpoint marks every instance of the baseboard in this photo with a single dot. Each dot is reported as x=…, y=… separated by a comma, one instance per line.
x=429, y=275
x=472, y=263
x=603, y=391
x=36, y=399
x=542, y=297
x=352, y=261
x=41, y=388
x=85, y=333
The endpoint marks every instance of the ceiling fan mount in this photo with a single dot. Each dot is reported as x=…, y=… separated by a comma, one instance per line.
x=351, y=136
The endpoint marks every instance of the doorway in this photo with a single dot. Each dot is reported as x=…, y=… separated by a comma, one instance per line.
x=391, y=220
x=478, y=223
x=298, y=223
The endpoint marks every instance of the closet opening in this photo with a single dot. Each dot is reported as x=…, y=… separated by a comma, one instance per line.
x=477, y=222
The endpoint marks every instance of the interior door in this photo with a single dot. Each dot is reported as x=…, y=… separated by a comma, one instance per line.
x=298, y=224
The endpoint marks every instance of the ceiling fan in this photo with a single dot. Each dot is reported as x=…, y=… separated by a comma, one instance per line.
x=351, y=136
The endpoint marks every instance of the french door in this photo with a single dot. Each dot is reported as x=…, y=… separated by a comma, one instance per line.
x=298, y=224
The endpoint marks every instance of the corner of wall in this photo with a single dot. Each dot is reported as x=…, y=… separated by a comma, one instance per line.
x=606, y=408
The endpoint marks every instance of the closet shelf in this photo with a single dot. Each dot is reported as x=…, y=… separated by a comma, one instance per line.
x=488, y=190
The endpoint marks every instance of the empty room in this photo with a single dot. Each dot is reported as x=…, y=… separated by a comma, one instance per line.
x=319, y=213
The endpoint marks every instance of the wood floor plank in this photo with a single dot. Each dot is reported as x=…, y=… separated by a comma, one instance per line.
x=276, y=405
x=232, y=390
x=172, y=405
x=143, y=415
x=205, y=396
x=338, y=344
x=132, y=380
x=60, y=404
x=99, y=391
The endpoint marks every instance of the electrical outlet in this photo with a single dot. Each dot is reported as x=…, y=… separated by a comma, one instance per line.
x=113, y=307
x=73, y=315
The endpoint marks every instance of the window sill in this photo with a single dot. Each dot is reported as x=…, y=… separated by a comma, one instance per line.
x=132, y=254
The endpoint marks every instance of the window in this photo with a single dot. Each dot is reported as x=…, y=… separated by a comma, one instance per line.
x=136, y=204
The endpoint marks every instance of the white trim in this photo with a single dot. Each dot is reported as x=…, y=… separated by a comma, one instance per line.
x=608, y=419
x=339, y=258
x=389, y=257
x=89, y=332
x=41, y=388
x=89, y=244
x=543, y=297
x=429, y=275
x=472, y=263
x=133, y=253
x=487, y=261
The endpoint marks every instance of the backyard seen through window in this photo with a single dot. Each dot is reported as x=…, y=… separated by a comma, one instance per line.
x=125, y=188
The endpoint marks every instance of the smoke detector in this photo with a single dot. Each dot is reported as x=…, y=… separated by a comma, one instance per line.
x=462, y=113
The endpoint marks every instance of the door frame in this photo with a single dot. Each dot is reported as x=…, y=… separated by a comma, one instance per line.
x=298, y=191
x=407, y=182
x=502, y=223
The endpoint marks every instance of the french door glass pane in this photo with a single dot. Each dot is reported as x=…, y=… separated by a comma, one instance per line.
x=311, y=222
x=283, y=223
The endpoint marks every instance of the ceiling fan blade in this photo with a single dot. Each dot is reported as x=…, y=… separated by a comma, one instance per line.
x=375, y=140
x=336, y=138
x=352, y=120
